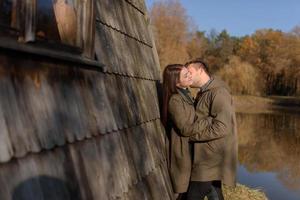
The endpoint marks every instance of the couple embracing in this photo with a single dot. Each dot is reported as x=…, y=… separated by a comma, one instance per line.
x=203, y=138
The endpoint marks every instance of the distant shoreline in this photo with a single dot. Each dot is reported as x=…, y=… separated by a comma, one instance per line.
x=256, y=104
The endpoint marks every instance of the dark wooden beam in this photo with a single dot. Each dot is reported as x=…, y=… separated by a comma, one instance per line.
x=55, y=54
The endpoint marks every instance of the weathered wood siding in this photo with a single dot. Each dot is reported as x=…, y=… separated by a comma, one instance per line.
x=68, y=131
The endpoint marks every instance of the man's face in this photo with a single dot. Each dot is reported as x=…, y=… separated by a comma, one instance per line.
x=195, y=73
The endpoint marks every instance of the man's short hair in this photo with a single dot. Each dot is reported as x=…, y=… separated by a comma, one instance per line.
x=199, y=64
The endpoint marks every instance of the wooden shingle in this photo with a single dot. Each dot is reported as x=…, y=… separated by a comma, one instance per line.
x=77, y=128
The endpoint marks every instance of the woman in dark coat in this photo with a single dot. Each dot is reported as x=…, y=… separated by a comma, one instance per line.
x=177, y=79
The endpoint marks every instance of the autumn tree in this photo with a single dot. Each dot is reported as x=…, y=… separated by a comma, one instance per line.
x=270, y=57
x=220, y=48
x=274, y=54
x=197, y=45
x=170, y=27
x=240, y=76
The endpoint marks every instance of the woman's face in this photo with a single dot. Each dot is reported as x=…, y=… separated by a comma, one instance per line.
x=185, y=78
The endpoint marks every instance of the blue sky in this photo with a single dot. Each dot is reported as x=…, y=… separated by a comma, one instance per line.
x=242, y=17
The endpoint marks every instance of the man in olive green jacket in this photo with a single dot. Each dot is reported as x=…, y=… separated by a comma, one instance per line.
x=215, y=157
x=182, y=112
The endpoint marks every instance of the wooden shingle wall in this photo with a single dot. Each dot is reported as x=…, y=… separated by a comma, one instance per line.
x=72, y=132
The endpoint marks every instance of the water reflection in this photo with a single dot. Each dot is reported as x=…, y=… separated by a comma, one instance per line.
x=269, y=153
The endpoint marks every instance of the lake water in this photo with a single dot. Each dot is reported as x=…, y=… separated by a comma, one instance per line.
x=269, y=153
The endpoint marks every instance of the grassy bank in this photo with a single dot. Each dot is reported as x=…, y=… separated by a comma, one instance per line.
x=266, y=104
x=242, y=192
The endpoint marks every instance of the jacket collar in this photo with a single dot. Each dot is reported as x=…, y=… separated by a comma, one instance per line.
x=206, y=86
x=214, y=82
x=185, y=95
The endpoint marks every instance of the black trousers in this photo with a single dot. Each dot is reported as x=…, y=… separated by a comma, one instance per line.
x=198, y=190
